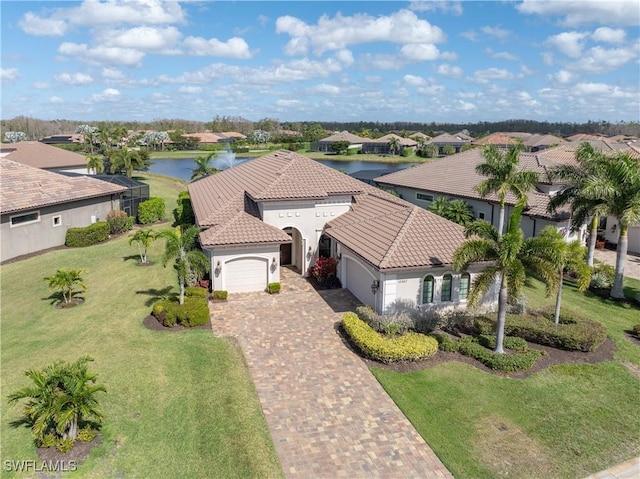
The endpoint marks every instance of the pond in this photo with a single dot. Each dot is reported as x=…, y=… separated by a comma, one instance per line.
x=182, y=167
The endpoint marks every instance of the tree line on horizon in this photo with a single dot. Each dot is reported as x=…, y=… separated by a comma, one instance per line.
x=36, y=129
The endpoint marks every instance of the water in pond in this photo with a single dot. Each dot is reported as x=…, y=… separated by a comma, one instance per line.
x=183, y=167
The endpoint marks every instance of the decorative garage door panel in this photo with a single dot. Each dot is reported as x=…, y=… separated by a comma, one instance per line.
x=246, y=274
x=359, y=282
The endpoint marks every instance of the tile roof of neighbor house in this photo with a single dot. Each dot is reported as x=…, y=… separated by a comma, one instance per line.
x=233, y=134
x=585, y=137
x=448, y=138
x=421, y=135
x=345, y=136
x=403, y=141
x=456, y=175
x=543, y=140
x=384, y=230
x=41, y=155
x=496, y=139
x=205, y=137
x=23, y=187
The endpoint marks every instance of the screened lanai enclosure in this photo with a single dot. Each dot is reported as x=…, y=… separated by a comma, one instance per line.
x=136, y=192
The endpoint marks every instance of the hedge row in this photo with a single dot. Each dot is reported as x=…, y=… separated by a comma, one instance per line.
x=409, y=347
x=392, y=324
x=151, y=211
x=507, y=363
x=119, y=222
x=88, y=235
x=573, y=333
x=194, y=312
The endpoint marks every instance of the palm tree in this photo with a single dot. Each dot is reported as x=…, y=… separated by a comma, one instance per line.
x=460, y=212
x=570, y=257
x=127, y=160
x=432, y=150
x=440, y=206
x=144, y=237
x=503, y=177
x=582, y=207
x=510, y=256
x=203, y=166
x=67, y=281
x=95, y=164
x=448, y=150
x=394, y=145
x=618, y=185
x=181, y=248
x=63, y=395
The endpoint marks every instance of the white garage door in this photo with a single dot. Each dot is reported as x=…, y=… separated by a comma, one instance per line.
x=246, y=274
x=634, y=239
x=359, y=282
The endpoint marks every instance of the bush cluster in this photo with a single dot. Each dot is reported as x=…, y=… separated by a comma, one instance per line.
x=409, y=347
x=88, y=235
x=220, y=294
x=507, y=363
x=323, y=269
x=636, y=330
x=65, y=445
x=194, y=312
x=446, y=343
x=602, y=276
x=119, y=222
x=151, y=211
x=390, y=324
x=86, y=434
x=573, y=333
x=273, y=288
x=195, y=292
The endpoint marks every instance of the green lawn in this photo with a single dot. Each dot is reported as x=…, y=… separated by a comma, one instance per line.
x=178, y=404
x=567, y=421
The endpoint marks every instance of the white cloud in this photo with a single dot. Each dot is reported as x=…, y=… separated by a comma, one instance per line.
x=420, y=52
x=289, y=103
x=563, y=77
x=600, y=60
x=345, y=57
x=414, y=80
x=190, y=89
x=526, y=99
x=146, y=38
x=569, y=43
x=471, y=35
x=9, y=73
x=40, y=85
x=56, y=100
x=602, y=89
x=32, y=24
x=454, y=7
x=325, y=89
x=449, y=56
x=113, y=74
x=108, y=95
x=74, y=78
x=465, y=105
x=503, y=55
x=580, y=12
x=233, y=48
x=484, y=76
x=609, y=35
x=102, y=55
x=147, y=12
x=496, y=31
x=547, y=58
x=402, y=27
x=449, y=70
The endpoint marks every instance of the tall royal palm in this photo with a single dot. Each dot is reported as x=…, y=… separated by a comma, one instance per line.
x=510, y=257
x=126, y=160
x=203, y=166
x=181, y=247
x=582, y=205
x=618, y=185
x=503, y=177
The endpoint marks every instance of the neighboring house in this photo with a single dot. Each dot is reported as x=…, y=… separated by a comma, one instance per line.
x=455, y=177
x=530, y=142
x=71, y=138
x=500, y=140
x=325, y=144
x=43, y=156
x=419, y=136
x=456, y=141
x=38, y=206
x=284, y=209
x=381, y=145
x=205, y=138
x=541, y=142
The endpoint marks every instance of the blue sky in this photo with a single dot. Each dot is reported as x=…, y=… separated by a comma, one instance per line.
x=303, y=61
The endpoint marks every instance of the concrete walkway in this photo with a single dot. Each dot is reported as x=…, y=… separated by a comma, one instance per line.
x=631, y=266
x=626, y=470
x=327, y=414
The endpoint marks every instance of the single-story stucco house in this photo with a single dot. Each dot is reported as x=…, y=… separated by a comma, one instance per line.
x=44, y=156
x=284, y=209
x=38, y=206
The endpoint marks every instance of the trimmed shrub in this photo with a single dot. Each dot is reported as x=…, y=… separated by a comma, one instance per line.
x=323, y=269
x=507, y=363
x=602, y=276
x=636, y=330
x=65, y=445
x=195, y=291
x=409, y=347
x=194, y=312
x=390, y=324
x=119, y=222
x=221, y=295
x=48, y=440
x=273, y=288
x=151, y=211
x=510, y=342
x=86, y=434
x=573, y=333
x=446, y=343
x=88, y=235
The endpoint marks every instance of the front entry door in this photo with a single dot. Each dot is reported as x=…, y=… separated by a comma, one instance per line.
x=285, y=254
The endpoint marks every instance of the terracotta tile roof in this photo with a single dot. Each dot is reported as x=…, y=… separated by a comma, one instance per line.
x=41, y=155
x=498, y=139
x=403, y=141
x=23, y=187
x=584, y=137
x=206, y=137
x=233, y=134
x=345, y=136
x=390, y=233
x=447, y=138
x=543, y=140
x=384, y=230
x=419, y=134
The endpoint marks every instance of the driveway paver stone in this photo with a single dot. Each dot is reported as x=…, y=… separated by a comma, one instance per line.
x=327, y=414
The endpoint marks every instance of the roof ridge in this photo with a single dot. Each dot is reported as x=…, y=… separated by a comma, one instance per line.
x=394, y=246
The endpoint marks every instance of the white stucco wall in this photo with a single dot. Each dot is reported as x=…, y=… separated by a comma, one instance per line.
x=224, y=255
x=633, y=234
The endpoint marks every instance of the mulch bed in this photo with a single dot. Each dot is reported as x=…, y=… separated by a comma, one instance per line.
x=554, y=356
x=73, y=304
x=148, y=263
x=604, y=293
x=68, y=461
x=150, y=322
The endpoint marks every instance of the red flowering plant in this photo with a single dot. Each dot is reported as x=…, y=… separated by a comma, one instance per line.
x=323, y=269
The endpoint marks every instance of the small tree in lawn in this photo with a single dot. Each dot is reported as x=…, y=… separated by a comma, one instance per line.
x=144, y=237
x=394, y=145
x=181, y=248
x=67, y=281
x=339, y=147
x=570, y=256
x=61, y=399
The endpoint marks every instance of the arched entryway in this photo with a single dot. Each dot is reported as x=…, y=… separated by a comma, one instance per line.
x=291, y=254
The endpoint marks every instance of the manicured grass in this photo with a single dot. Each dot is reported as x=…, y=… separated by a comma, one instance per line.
x=165, y=187
x=178, y=404
x=567, y=421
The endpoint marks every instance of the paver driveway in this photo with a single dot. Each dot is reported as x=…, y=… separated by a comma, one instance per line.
x=327, y=414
